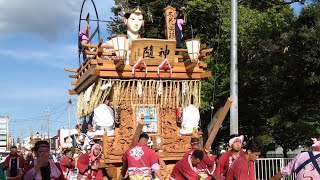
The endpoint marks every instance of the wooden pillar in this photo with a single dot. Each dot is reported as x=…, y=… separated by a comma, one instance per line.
x=105, y=144
x=216, y=127
x=170, y=13
x=137, y=133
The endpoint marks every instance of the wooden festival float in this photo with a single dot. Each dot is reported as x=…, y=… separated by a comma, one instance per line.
x=146, y=81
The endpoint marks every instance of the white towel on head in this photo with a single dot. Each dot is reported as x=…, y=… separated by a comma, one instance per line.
x=232, y=140
x=103, y=116
x=191, y=118
x=316, y=143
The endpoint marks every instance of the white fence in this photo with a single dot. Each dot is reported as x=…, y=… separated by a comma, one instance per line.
x=267, y=167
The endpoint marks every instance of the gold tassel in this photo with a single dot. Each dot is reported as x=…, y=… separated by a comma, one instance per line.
x=132, y=90
x=199, y=94
x=99, y=95
x=166, y=94
x=170, y=95
x=80, y=105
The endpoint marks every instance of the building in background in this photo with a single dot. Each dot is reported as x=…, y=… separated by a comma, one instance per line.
x=4, y=133
x=62, y=138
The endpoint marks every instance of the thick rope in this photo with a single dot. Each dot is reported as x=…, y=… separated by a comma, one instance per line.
x=155, y=93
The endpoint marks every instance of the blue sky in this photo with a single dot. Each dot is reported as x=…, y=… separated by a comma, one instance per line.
x=37, y=40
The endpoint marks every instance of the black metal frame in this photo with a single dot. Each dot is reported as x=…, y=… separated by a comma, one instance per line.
x=97, y=30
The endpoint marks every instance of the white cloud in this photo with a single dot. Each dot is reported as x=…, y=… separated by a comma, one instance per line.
x=34, y=93
x=57, y=57
x=45, y=18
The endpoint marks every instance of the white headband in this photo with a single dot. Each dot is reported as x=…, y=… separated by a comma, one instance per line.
x=232, y=140
x=316, y=143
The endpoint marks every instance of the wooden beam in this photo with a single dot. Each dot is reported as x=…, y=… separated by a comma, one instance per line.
x=137, y=133
x=99, y=61
x=86, y=80
x=205, y=75
x=88, y=52
x=89, y=45
x=119, y=63
x=73, y=76
x=108, y=54
x=106, y=46
x=112, y=161
x=100, y=42
x=103, y=53
x=203, y=64
x=84, y=65
x=182, y=56
x=110, y=66
x=105, y=144
x=191, y=66
x=70, y=70
x=217, y=125
x=72, y=92
x=206, y=50
x=93, y=45
x=181, y=50
x=153, y=75
x=204, y=57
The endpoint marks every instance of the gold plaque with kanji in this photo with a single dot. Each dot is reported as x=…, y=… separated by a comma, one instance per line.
x=153, y=51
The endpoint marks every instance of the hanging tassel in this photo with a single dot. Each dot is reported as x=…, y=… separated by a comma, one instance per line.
x=170, y=93
x=139, y=88
x=166, y=94
x=184, y=88
x=159, y=91
x=106, y=86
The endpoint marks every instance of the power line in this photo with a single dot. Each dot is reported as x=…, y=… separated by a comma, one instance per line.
x=56, y=113
x=35, y=118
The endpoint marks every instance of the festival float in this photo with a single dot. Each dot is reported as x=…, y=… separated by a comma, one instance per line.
x=130, y=85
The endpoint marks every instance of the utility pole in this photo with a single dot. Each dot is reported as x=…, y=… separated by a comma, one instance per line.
x=48, y=111
x=234, y=68
x=21, y=140
x=69, y=108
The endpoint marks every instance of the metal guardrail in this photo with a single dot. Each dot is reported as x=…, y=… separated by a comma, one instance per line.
x=267, y=167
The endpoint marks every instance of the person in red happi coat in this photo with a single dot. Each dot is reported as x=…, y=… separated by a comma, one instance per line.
x=88, y=164
x=226, y=159
x=67, y=164
x=207, y=166
x=186, y=168
x=43, y=168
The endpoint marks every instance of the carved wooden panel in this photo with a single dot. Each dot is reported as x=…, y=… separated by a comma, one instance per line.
x=170, y=14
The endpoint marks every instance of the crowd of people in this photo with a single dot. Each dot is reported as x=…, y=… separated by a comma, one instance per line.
x=140, y=162
x=234, y=164
x=41, y=165
x=143, y=163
